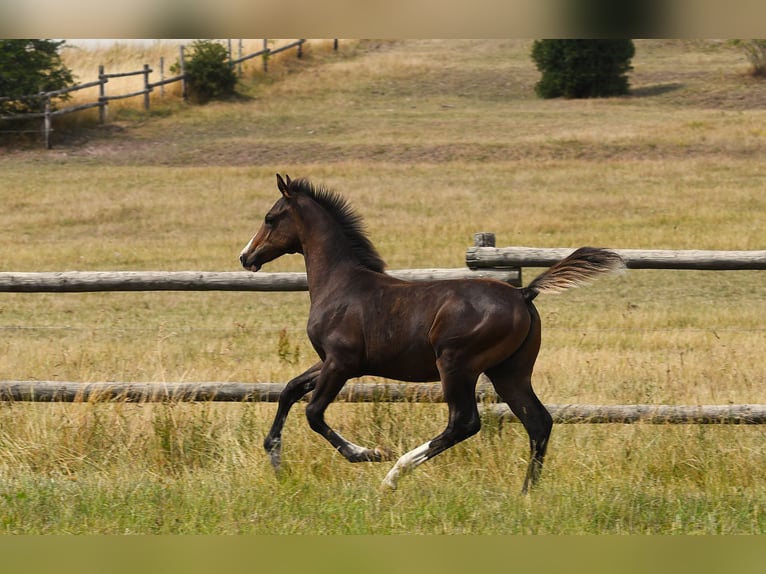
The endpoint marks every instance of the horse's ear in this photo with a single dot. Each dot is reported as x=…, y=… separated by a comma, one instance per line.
x=283, y=186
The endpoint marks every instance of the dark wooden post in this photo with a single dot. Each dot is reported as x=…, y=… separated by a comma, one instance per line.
x=182, y=63
x=102, y=101
x=487, y=239
x=47, y=122
x=162, y=76
x=239, y=57
x=265, y=55
x=147, y=88
x=484, y=239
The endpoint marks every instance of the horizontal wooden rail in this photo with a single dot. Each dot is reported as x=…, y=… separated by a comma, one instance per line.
x=165, y=81
x=59, y=391
x=236, y=61
x=296, y=44
x=127, y=74
x=653, y=414
x=94, y=281
x=69, y=89
x=72, y=109
x=125, y=96
x=488, y=257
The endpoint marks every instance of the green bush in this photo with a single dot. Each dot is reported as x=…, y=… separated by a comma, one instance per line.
x=756, y=54
x=209, y=73
x=582, y=68
x=28, y=67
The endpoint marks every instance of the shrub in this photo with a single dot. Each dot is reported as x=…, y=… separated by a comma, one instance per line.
x=209, y=73
x=28, y=67
x=756, y=54
x=582, y=68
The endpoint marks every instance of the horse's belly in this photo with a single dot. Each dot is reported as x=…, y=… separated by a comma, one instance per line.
x=408, y=366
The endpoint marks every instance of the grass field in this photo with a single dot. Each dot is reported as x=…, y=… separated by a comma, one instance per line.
x=431, y=141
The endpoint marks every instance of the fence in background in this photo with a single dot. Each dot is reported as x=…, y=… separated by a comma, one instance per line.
x=48, y=111
x=483, y=260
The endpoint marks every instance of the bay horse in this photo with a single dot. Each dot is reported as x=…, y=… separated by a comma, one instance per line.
x=365, y=322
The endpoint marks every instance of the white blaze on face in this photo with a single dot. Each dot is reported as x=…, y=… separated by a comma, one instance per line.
x=247, y=247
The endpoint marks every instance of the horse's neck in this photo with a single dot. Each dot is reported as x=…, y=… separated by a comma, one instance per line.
x=328, y=256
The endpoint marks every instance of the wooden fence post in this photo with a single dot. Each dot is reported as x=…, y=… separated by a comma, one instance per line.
x=484, y=239
x=147, y=87
x=47, y=122
x=102, y=101
x=487, y=239
x=162, y=76
x=182, y=63
x=265, y=56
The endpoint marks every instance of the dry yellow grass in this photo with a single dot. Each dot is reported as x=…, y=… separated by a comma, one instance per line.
x=117, y=57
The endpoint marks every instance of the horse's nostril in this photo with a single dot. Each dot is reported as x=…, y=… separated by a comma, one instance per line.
x=242, y=258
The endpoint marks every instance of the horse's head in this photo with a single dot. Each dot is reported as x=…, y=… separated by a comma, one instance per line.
x=277, y=235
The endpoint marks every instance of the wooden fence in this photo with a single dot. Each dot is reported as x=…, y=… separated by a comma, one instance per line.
x=482, y=259
x=48, y=112
x=60, y=391
x=483, y=255
x=95, y=281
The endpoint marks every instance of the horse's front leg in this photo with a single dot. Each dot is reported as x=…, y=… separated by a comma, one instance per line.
x=294, y=390
x=328, y=386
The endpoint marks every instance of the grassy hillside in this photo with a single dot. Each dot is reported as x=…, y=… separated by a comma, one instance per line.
x=431, y=141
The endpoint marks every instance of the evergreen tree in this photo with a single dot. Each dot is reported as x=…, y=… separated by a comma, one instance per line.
x=28, y=67
x=582, y=68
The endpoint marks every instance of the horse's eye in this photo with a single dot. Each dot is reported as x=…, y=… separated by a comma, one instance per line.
x=268, y=220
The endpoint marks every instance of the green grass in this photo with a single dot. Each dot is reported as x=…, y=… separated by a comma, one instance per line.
x=431, y=141
x=197, y=469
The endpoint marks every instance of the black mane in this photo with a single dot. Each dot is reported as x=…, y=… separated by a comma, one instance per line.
x=349, y=221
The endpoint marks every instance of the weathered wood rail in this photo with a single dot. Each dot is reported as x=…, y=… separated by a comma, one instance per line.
x=94, y=281
x=359, y=392
x=483, y=260
x=493, y=257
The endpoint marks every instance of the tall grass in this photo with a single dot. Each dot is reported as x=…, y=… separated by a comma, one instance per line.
x=198, y=469
x=431, y=141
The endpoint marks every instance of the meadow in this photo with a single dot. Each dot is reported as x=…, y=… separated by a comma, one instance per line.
x=431, y=141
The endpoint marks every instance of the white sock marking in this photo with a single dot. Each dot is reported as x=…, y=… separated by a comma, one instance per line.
x=406, y=463
x=355, y=448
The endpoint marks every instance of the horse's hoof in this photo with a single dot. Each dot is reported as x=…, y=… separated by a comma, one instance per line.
x=388, y=485
x=275, y=457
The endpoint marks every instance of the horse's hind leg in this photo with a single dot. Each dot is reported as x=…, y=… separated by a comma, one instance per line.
x=513, y=382
x=294, y=390
x=459, y=393
x=516, y=390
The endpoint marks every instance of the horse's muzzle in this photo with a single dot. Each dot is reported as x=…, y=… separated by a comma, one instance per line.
x=251, y=266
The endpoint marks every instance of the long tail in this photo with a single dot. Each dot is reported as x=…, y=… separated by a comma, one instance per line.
x=577, y=269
